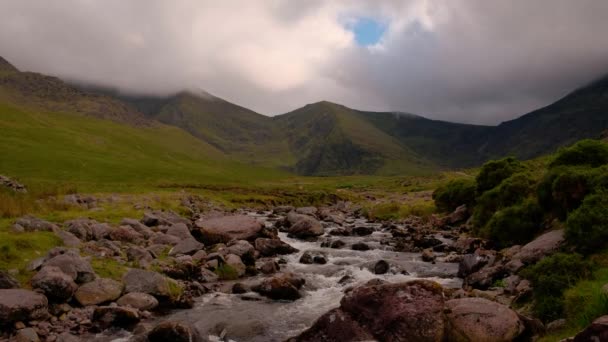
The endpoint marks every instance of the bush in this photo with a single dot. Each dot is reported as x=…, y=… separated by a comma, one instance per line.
x=511, y=191
x=454, y=194
x=589, y=152
x=514, y=225
x=550, y=278
x=494, y=172
x=563, y=189
x=587, y=226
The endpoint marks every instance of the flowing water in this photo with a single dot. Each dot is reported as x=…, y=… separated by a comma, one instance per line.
x=250, y=317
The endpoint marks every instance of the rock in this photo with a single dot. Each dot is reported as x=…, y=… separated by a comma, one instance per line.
x=427, y=242
x=273, y=247
x=478, y=319
x=22, y=305
x=199, y=256
x=67, y=337
x=485, y=278
x=363, y=231
x=164, y=239
x=135, y=224
x=7, y=281
x=84, y=201
x=337, y=244
x=187, y=246
x=305, y=227
x=306, y=258
x=180, y=230
x=471, y=263
x=411, y=311
x=242, y=248
x=81, y=228
x=269, y=267
x=140, y=256
x=597, y=331
x=174, y=331
x=12, y=184
x=34, y=224
x=150, y=219
x=540, y=247
x=428, y=255
x=162, y=218
x=115, y=316
x=236, y=263
x=319, y=259
x=334, y=326
x=76, y=267
x=459, y=215
x=138, y=300
x=239, y=288
x=98, y=291
x=227, y=228
x=54, y=283
x=360, y=246
x=125, y=234
x=149, y=282
x=68, y=239
x=467, y=244
x=381, y=267
x=208, y=276
x=27, y=335
x=282, y=209
x=310, y=211
x=281, y=287
x=556, y=325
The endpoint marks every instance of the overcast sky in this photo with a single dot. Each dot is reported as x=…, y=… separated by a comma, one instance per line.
x=473, y=61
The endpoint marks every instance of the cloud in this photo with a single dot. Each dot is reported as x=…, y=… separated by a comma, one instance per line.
x=472, y=61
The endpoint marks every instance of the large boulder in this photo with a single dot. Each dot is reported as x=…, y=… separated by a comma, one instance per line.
x=54, y=283
x=76, y=267
x=174, y=331
x=304, y=227
x=597, y=331
x=281, y=287
x=149, y=282
x=411, y=311
x=22, y=305
x=187, y=246
x=115, y=316
x=227, y=228
x=7, y=281
x=179, y=230
x=273, y=247
x=98, y=291
x=138, y=300
x=479, y=319
x=540, y=247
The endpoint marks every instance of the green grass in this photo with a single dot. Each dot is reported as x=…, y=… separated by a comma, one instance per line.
x=108, y=268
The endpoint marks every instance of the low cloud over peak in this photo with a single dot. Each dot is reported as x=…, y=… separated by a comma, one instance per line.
x=469, y=61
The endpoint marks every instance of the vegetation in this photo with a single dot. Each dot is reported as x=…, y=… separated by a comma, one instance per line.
x=587, y=226
x=455, y=193
x=588, y=152
x=514, y=225
x=494, y=172
x=226, y=272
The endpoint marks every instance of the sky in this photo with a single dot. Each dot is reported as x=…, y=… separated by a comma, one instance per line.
x=473, y=61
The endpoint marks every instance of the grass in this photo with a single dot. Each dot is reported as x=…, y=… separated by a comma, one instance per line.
x=227, y=272
x=108, y=268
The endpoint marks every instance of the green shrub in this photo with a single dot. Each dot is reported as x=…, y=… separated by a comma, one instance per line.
x=454, y=194
x=589, y=152
x=494, y=172
x=587, y=226
x=511, y=191
x=514, y=225
x=550, y=278
x=563, y=189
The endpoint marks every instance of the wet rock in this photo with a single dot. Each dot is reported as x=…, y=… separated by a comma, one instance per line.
x=98, y=291
x=76, y=267
x=22, y=305
x=174, y=331
x=597, y=331
x=305, y=227
x=269, y=267
x=115, y=316
x=360, y=246
x=236, y=263
x=227, y=228
x=319, y=259
x=281, y=287
x=273, y=247
x=341, y=231
x=336, y=325
x=179, y=230
x=381, y=267
x=138, y=300
x=428, y=255
x=337, y=244
x=540, y=247
x=187, y=246
x=34, y=224
x=499, y=323
x=7, y=281
x=427, y=242
x=239, y=288
x=149, y=282
x=306, y=258
x=27, y=335
x=243, y=249
x=363, y=231
x=54, y=283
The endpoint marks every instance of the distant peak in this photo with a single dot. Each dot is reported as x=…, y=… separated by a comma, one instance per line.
x=201, y=94
x=6, y=66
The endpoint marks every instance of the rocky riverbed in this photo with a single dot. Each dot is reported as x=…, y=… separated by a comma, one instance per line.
x=310, y=274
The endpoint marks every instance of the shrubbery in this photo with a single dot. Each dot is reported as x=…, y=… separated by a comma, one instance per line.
x=494, y=172
x=587, y=226
x=550, y=278
x=517, y=224
x=564, y=188
x=588, y=152
x=454, y=194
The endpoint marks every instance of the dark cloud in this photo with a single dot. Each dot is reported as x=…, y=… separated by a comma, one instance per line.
x=473, y=61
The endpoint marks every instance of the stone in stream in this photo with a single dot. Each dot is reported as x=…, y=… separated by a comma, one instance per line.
x=363, y=231
x=428, y=255
x=360, y=246
x=54, y=283
x=227, y=228
x=273, y=247
x=499, y=323
x=281, y=287
x=411, y=311
x=381, y=267
x=115, y=316
x=174, y=331
x=269, y=267
x=22, y=305
x=98, y=291
x=138, y=300
x=305, y=227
